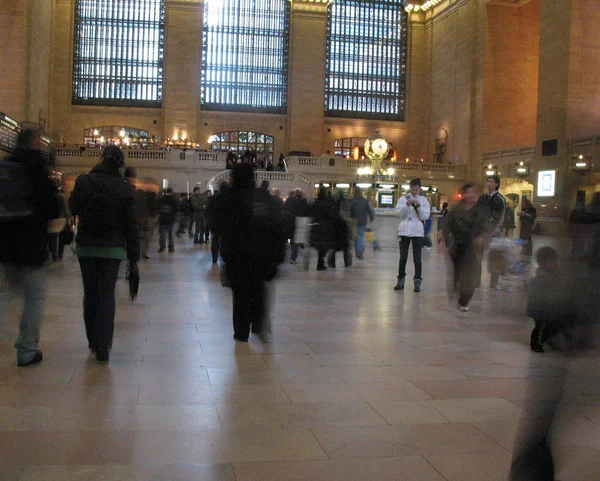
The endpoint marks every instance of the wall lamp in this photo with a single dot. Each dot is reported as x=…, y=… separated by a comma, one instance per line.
x=581, y=163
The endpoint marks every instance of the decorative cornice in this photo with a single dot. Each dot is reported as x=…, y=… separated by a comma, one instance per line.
x=185, y=4
x=310, y=6
x=446, y=10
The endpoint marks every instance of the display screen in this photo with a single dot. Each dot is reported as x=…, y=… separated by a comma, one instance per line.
x=546, y=183
x=386, y=199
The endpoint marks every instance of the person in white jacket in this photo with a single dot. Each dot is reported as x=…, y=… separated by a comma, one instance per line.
x=413, y=210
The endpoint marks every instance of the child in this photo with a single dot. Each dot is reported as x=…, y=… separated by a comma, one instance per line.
x=548, y=300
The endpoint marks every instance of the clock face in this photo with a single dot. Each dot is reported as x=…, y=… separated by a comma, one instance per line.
x=380, y=147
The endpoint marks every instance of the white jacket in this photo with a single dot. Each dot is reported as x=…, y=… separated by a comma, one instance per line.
x=411, y=219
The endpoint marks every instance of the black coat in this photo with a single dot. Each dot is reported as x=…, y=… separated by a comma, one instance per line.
x=168, y=206
x=323, y=232
x=252, y=230
x=26, y=241
x=105, y=204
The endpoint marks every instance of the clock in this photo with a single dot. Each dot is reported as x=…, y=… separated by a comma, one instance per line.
x=376, y=147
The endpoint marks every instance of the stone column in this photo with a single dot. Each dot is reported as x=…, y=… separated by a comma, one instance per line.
x=568, y=103
x=183, y=67
x=306, y=106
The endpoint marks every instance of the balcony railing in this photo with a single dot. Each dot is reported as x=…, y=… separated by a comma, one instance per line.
x=342, y=166
x=167, y=156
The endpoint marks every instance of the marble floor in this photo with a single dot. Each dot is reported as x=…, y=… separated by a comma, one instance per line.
x=361, y=384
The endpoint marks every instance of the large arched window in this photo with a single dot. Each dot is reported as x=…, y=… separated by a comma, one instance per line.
x=245, y=55
x=238, y=141
x=366, y=59
x=118, y=52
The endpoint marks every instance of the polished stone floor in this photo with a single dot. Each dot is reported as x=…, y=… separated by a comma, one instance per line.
x=361, y=384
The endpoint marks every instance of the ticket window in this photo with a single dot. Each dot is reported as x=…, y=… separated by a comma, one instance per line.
x=386, y=199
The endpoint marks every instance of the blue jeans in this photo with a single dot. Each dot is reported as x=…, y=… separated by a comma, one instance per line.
x=99, y=279
x=361, y=230
x=163, y=232
x=30, y=282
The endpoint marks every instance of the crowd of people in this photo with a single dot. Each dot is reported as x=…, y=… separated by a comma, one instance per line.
x=249, y=228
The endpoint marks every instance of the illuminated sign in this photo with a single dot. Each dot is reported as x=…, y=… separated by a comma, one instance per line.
x=546, y=183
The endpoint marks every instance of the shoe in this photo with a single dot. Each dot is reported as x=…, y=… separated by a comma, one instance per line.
x=331, y=265
x=463, y=308
x=266, y=337
x=171, y=249
x=293, y=262
x=239, y=339
x=496, y=286
x=162, y=249
x=102, y=355
x=214, y=261
x=537, y=348
x=417, y=285
x=145, y=256
x=37, y=358
x=178, y=235
x=400, y=285
x=360, y=256
x=321, y=268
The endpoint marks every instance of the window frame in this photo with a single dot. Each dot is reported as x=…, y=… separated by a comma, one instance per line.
x=283, y=71
x=367, y=77
x=122, y=63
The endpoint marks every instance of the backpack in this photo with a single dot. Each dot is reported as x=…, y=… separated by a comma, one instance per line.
x=16, y=191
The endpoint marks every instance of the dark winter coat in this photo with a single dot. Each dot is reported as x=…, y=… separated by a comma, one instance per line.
x=252, y=230
x=105, y=204
x=323, y=234
x=26, y=241
x=494, y=208
x=168, y=206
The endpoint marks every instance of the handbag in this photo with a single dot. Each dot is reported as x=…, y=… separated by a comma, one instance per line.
x=370, y=236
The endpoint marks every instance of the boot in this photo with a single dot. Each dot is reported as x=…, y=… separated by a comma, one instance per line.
x=417, y=285
x=400, y=285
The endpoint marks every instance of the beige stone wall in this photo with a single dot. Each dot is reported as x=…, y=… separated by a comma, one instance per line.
x=583, y=104
x=307, y=80
x=453, y=44
x=12, y=20
x=26, y=58
x=183, y=64
x=511, y=76
x=40, y=14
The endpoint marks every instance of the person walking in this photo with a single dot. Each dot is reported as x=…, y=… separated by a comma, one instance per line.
x=493, y=205
x=362, y=213
x=167, y=214
x=27, y=203
x=322, y=235
x=142, y=212
x=464, y=239
x=253, y=239
x=509, y=221
x=527, y=218
x=413, y=210
x=212, y=211
x=184, y=214
x=108, y=232
x=198, y=203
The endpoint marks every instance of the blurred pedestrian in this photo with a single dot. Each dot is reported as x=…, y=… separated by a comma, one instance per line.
x=463, y=234
x=322, y=236
x=253, y=240
x=27, y=203
x=142, y=211
x=527, y=218
x=362, y=213
x=108, y=232
x=167, y=215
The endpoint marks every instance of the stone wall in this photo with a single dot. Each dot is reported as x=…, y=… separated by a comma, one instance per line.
x=12, y=19
x=511, y=76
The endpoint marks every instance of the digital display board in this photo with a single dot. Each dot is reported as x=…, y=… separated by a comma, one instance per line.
x=386, y=200
x=546, y=183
